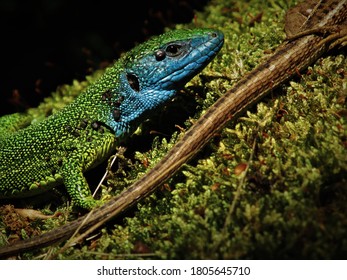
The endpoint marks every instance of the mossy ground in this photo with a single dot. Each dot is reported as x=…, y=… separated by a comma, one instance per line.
x=270, y=185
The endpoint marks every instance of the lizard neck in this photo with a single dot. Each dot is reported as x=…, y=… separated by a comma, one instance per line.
x=116, y=102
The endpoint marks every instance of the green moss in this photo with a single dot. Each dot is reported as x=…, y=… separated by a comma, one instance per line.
x=290, y=201
x=272, y=185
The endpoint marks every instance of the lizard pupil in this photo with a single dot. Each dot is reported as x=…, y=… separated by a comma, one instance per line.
x=133, y=82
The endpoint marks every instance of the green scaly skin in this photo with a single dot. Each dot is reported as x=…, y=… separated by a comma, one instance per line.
x=58, y=150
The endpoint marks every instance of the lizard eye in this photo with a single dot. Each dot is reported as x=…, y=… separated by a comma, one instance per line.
x=160, y=55
x=133, y=82
x=173, y=50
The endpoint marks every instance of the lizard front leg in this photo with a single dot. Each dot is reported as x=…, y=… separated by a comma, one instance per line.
x=80, y=158
x=76, y=184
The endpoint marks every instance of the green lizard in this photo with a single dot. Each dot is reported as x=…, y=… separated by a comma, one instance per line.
x=58, y=150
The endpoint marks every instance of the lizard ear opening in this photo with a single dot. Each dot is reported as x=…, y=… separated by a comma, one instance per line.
x=133, y=82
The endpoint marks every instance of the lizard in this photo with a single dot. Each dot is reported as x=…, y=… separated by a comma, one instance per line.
x=292, y=56
x=59, y=149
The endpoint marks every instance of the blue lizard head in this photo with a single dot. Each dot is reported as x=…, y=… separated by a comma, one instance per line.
x=156, y=69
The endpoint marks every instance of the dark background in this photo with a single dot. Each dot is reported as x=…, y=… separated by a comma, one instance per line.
x=48, y=43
